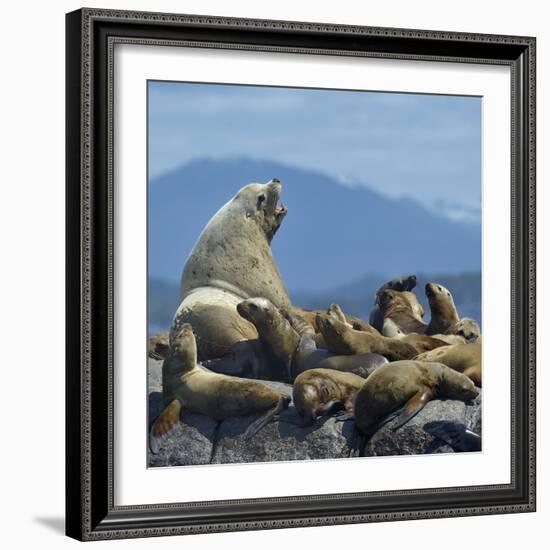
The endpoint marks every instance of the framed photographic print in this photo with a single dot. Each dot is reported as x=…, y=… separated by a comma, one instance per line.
x=300, y=274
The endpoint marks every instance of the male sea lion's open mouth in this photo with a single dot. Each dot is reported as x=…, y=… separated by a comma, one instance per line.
x=281, y=210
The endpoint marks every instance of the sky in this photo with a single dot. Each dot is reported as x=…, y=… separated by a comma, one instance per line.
x=425, y=147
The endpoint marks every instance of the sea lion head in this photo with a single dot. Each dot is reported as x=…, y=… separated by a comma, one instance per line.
x=437, y=294
x=467, y=328
x=184, y=345
x=456, y=385
x=318, y=397
x=258, y=311
x=393, y=299
x=260, y=205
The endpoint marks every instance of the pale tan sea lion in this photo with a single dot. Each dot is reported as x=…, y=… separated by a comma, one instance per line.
x=403, y=388
x=188, y=387
x=464, y=358
x=442, y=307
x=466, y=328
x=318, y=392
x=230, y=262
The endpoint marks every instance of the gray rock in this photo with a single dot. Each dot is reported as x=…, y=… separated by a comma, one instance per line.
x=154, y=375
x=473, y=415
x=191, y=442
x=412, y=438
x=284, y=440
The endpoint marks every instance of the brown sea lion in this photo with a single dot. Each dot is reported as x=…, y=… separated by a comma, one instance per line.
x=442, y=307
x=464, y=358
x=290, y=341
x=403, y=388
x=403, y=310
x=230, y=262
x=318, y=392
x=187, y=386
x=343, y=340
x=401, y=284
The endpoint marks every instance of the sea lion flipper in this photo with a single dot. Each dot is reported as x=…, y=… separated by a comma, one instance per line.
x=168, y=419
x=456, y=435
x=257, y=425
x=413, y=406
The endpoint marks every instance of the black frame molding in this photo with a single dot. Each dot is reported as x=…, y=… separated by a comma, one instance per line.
x=90, y=38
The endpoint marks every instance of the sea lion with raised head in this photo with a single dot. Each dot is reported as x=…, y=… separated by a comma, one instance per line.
x=402, y=309
x=290, y=341
x=186, y=386
x=403, y=388
x=401, y=284
x=319, y=392
x=442, y=307
x=464, y=358
x=230, y=262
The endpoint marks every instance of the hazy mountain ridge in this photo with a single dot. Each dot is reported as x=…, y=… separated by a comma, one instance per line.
x=331, y=234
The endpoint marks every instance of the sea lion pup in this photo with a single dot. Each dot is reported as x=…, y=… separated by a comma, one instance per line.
x=403, y=388
x=442, y=307
x=319, y=392
x=401, y=284
x=464, y=358
x=343, y=340
x=290, y=341
x=465, y=328
x=400, y=308
x=187, y=386
x=232, y=261
x=455, y=434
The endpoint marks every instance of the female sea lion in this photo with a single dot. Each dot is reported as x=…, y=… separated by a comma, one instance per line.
x=442, y=307
x=400, y=284
x=344, y=340
x=290, y=341
x=230, y=262
x=465, y=328
x=187, y=386
x=464, y=358
x=318, y=392
x=403, y=388
x=403, y=309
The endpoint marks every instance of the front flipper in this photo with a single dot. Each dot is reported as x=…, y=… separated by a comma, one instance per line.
x=163, y=426
x=412, y=407
x=257, y=425
x=456, y=435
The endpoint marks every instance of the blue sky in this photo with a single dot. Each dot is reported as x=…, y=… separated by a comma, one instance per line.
x=425, y=147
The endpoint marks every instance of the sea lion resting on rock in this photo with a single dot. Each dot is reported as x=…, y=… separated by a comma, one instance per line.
x=403, y=309
x=318, y=392
x=467, y=329
x=230, y=262
x=343, y=340
x=290, y=341
x=403, y=388
x=187, y=386
x=464, y=358
x=401, y=284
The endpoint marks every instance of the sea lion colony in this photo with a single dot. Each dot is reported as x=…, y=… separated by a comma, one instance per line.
x=236, y=319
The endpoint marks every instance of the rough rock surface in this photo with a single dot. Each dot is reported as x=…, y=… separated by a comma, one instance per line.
x=202, y=440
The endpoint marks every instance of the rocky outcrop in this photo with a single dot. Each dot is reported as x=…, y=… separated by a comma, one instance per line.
x=202, y=440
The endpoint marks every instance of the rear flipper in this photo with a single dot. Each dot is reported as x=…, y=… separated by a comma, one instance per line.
x=257, y=425
x=455, y=434
x=412, y=407
x=164, y=425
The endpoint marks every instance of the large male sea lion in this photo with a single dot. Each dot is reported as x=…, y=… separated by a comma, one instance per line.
x=465, y=358
x=187, y=386
x=230, y=262
x=403, y=388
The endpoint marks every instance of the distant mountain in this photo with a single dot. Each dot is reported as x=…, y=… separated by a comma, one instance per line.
x=355, y=298
x=331, y=235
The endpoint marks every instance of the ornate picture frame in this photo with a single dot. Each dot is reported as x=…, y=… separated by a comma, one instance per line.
x=91, y=335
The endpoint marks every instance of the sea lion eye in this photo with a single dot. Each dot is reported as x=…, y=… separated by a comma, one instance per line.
x=260, y=200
